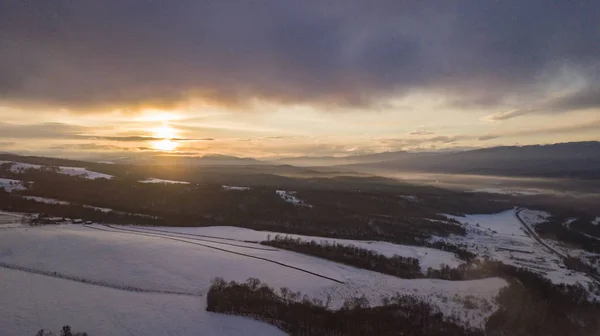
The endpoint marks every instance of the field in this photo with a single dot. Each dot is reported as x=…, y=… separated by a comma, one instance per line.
x=501, y=237
x=151, y=269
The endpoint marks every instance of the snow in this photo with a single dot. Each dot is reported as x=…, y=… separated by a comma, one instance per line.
x=504, y=223
x=508, y=191
x=428, y=257
x=534, y=217
x=20, y=167
x=11, y=185
x=82, y=172
x=156, y=180
x=46, y=200
x=159, y=262
x=226, y=187
x=30, y=302
x=289, y=196
x=9, y=220
x=413, y=199
x=502, y=237
x=98, y=208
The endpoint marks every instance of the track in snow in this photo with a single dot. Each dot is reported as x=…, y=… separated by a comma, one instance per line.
x=185, y=236
x=156, y=235
x=93, y=282
x=197, y=235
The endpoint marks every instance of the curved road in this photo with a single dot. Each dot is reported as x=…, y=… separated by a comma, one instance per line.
x=534, y=235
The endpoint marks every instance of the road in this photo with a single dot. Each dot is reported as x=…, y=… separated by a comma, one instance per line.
x=534, y=235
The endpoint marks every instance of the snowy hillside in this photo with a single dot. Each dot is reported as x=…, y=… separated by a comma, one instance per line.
x=20, y=167
x=30, y=302
x=156, y=180
x=427, y=257
x=502, y=237
x=11, y=185
x=123, y=257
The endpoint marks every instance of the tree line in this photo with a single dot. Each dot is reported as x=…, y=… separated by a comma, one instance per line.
x=402, y=267
x=300, y=315
x=530, y=305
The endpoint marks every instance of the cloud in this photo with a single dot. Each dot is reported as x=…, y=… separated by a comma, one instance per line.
x=575, y=101
x=4, y=144
x=89, y=147
x=40, y=131
x=137, y=138
x=488, y=137
x=85, y=55
x=421, y=131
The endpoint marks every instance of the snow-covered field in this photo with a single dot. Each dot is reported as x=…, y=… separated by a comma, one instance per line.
x=30, y=302
x=156, y=180
x=502, y=237
x=11, y=185
x=169, y=262
x=20, y=167
x=428, y=257
x=235, y=188
x=9, y=220
x=45, y=200
x=508, y=191
x=290, y=197
x=82, y=172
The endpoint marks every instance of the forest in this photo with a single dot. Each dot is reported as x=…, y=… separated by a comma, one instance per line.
x=300, y=315
x=529, y=306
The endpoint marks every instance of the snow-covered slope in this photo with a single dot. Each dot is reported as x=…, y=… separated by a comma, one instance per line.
x=45, y=200
x=290, y=197
x=502, y=237
x=156, y=180
x=234, y=188
x=20, y=167
x=157, y=262
x=30, y=302
x=428, y=257
x=11, y=185
x=82, y=172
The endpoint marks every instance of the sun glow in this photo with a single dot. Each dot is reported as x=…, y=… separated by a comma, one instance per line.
x=165, y=145
x=166, y=134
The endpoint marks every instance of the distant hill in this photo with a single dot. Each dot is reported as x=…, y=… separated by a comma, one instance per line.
x=575, y=159
x=332, y=161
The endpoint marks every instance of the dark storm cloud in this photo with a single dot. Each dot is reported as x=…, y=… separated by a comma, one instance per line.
x=577, y=101
x=86, y=54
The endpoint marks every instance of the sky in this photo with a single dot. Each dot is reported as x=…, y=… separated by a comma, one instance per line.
x=274, y=78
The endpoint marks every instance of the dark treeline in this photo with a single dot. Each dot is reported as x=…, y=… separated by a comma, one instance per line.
x=65, y=331
x=14, y=203
x=297, y=315
x=530, y=306
x=350, y=214
x=403, y=267
x=574, y=233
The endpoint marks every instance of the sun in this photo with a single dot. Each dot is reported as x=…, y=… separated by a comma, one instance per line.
x=166, y=134
x=165, y=145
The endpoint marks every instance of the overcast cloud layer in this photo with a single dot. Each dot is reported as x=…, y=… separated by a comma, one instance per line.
x=113, y=53
x=316, y=77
